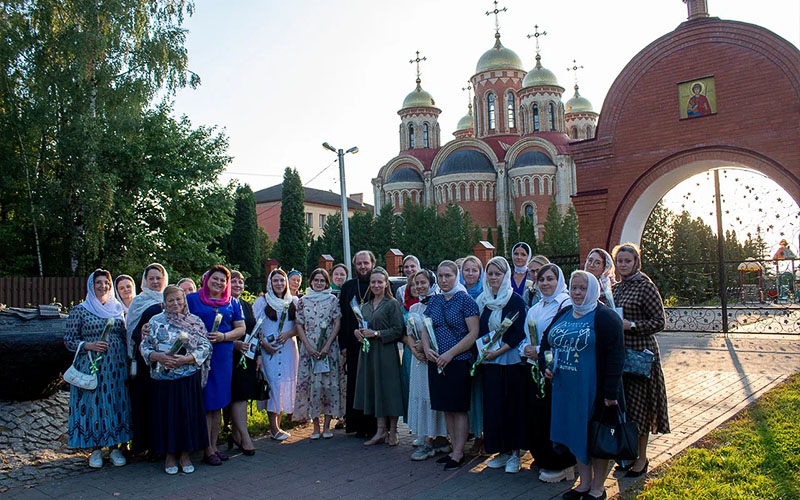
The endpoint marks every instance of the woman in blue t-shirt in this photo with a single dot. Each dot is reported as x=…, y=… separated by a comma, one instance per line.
x=455, y=323
x=214, y=297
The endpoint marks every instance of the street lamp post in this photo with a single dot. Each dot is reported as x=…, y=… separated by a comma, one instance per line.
x=342, y=187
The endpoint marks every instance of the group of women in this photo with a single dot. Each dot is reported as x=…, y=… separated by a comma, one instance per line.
x=554, y=362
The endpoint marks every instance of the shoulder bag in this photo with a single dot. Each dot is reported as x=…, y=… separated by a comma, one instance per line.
x=75, y=377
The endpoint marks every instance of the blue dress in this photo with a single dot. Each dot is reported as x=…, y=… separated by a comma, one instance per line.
x=574, y=382
x=101, y=417
x=217, y=393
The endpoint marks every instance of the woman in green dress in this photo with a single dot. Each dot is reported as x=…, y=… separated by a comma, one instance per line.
x=378, y=390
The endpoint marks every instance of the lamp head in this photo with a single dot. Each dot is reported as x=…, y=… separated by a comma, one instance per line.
x=353, y=150
x=328, y=146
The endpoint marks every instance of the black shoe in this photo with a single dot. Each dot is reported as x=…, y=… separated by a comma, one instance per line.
x=624, y=465
x=443, y=460
x=633, y=473
x=574, y=495
x=248, y=453
x=453, y=465
x=587, y=496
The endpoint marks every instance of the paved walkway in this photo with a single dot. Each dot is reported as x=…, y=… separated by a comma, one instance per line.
x=709, y=379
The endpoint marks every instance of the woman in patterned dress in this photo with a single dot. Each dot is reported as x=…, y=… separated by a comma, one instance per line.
x=643, y=317
x=99, y=417
x=320, y=376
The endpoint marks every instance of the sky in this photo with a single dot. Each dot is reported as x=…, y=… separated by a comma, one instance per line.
x=281, y=78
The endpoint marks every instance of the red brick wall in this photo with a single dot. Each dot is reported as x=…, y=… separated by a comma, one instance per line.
x=640, y=135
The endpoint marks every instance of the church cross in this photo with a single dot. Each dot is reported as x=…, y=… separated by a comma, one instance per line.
x=496, y=13
x=418, y=60
x=468, y=88
x=575, y=69
x=536, y=34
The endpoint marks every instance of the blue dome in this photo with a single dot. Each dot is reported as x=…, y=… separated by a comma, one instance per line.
x=533, y=158
x=405, y=174
x=465, y=161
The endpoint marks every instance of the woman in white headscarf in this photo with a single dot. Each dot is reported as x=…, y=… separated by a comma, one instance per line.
x=520, y=257
x=554, y=465
x=278, y=349
x=588, y=350
x=124, y=290
x=600, y=264
x=505, y=430
x=143, y=307
x=99, y=417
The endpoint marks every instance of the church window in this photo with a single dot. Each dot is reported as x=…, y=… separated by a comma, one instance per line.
x=492, y=117
x=529, y=211
x=411, y=141
x=522, y=120
x=535, y=117
x=589, y=132
x=573, y=132
x=551, y=116
x=511, y=111
x=425, y=143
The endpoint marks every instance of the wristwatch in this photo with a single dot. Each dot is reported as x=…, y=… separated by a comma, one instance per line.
x=633, y=325
x=377, y=333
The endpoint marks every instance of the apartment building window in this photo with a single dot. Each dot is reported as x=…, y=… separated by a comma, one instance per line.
x=322, y=220
x=309, y=219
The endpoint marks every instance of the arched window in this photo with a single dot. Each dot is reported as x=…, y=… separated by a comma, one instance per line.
x=522, y=120
x=529, y=213
x=425, y=143
x=589, y=132
x=535, y=117
x=511, y=111
x=573, y=132
x=491, y=107
x=411, y=141
x=551, y=116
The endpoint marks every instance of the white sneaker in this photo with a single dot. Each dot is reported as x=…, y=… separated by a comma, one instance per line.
x=499, y=461
x=96, y=459
x=418, y=442
x=512, y=466
x=423, y=453
x=117, y=458
x=555, y=476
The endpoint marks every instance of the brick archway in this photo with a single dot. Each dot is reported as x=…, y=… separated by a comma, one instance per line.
x=642, y=148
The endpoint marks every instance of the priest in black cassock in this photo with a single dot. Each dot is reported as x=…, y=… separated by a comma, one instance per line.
x=363, y=263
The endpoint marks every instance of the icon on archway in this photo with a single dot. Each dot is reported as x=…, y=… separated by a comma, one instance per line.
x=697, y=97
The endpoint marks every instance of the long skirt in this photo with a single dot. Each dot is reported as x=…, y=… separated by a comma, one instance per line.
x=422, y=420
x=244, y=385
x=281, y=372
x=545, y=454
x=646, y=400
x=355, y=420
x=406, y=379
x=178, y=419
x=476, y=405
x=140, y=392
x=505, y=426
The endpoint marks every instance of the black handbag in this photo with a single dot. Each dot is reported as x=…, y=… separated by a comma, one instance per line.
x=263, y=386
x=616, y=439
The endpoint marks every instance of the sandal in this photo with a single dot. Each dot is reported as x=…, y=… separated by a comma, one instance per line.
x=280, y=436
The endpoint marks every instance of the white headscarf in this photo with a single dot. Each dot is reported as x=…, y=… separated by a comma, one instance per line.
x=592, y=293
x=561, y=286
x=276, y=303
x=496, y=303
x=521, y=269
x=112, y=307
x=458, y=287
x=144, y=301
x=119, y=278
x=407, y=257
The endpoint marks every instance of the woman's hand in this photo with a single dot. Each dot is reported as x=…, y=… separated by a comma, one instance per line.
x=610, y=402
x=311, y=351
x=284, y=336
x=145, y=330
x=626, y=324
x=268, y=347
x=417, y=351
x=432, y=356
x=444, y=359
x=240, y=346
x=168, y=360
x=492, y=355
x=548, y=373
x=357, y=334
x=530, y=352
x=324, y=352
x=96, y=346
x=216, y=337
x=258, y=363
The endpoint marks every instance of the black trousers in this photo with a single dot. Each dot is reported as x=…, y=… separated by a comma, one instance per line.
x=355, y=420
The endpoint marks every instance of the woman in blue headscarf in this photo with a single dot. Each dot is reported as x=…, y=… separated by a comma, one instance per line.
x=471, y=274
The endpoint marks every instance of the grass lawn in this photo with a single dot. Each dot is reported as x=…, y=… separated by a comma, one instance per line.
x=755, y=455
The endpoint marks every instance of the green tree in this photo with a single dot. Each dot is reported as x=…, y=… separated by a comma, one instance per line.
x=528, y=235
x=489, y=236
x=551, y=234
x=513, y=234
x=77, y=81
x=569, y=232
x=501, y=242
x=384, y=232
x=242, y=246
x=361, y=232
x=657, y=249
x=293, y=233
x=332, y=238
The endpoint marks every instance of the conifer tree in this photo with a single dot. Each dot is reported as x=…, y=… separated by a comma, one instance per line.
x=293, y=233
x=551, y=235
x=501, y=242
x=513, y=234
x=242, y=246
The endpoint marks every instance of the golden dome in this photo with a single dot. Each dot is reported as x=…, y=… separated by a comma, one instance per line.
x=540, y=76
x=579, y=104
x=499, y=57
x=467, y=122
x=418, y=98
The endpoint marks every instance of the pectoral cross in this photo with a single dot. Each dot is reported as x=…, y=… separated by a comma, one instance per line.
x=418, y=60
x=575, y=69
x=496, y=13
x=536, y=34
